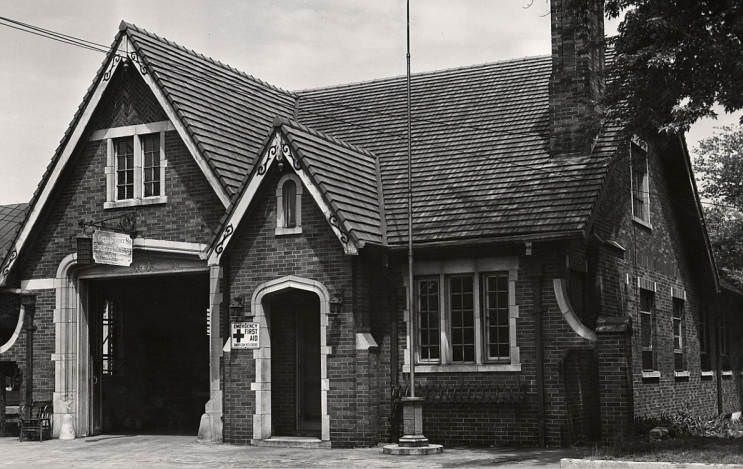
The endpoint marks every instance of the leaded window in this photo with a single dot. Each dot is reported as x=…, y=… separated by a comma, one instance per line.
x=640, y=184
x=289, y=195
x=109, y=337
x=461, y=307
x=429, y=338
x=124, y=154
x=496, y=315
x=678, y=335
x=647, y=307
x=151, y=168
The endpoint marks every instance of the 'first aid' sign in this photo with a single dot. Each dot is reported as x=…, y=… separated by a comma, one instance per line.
x=245, y=335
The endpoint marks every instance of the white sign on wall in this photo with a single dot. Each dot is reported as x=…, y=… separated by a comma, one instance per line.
x=112, y=248
x=245, y=335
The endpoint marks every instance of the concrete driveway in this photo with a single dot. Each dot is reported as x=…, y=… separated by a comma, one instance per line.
x=146, y=451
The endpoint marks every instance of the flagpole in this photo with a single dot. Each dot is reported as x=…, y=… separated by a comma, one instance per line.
x=411, y=285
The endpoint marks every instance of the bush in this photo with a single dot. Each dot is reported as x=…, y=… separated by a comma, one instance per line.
x=683, y=424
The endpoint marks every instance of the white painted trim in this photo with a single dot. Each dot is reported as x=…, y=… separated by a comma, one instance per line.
x=181, y=129
x=77, y=133
x=157, y=200
x=365, y=341
x=16, y=332
x=161, y=245
x=650, y=374
x=266, y=161
x=474, y=266
x=681, y=374
x=129, y=130
x=38, y=284
x=707, y=373
x=262, y=426
x=568, y=313
x=465, y=368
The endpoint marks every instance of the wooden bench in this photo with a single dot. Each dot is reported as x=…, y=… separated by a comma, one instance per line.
x=36, y=420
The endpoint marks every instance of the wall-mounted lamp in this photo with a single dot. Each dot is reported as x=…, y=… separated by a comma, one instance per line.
x=237, y=307
x=336, y=303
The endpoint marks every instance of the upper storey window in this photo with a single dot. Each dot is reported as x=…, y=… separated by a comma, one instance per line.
x=640, y=183
x=289, y=205
x=135, y=164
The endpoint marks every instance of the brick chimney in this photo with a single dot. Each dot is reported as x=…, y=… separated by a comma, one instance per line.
x=577, y=79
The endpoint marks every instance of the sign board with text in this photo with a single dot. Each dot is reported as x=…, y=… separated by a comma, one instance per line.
x=112, y=248
x=245, y=335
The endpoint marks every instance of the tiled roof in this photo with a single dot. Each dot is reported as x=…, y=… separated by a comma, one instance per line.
x=227, y=112
x=11, y=217
x=347, y=177
x=481, y=162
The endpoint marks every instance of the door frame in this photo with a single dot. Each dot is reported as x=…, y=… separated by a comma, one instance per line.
x=72, y=359
x=262, y=425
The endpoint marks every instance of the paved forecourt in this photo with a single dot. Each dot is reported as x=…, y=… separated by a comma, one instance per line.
x=146, y=451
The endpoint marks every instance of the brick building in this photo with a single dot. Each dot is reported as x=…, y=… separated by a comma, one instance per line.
x=563, y=279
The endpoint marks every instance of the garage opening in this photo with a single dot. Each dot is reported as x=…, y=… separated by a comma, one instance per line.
x=149, y=353
x=294, y=324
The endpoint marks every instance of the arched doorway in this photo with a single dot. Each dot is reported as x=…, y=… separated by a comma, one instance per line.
x=294, y=326
x=293, y=317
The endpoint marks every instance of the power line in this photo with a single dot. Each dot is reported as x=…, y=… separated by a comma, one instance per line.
x=101, y=48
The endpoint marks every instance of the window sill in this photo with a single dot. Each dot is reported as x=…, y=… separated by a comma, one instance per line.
x=643, y=223
x=162, y=199
x=288, y=231
x=465, y=368
x=727, y=373
x=650, y=374
x=681, y=374
x=708, y=374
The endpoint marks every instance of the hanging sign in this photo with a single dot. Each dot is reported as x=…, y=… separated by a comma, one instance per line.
x=112, y=248
x=245, y=335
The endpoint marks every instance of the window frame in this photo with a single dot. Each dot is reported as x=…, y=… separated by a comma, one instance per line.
x=724, y=340
x=417, y=299
x=281, y=229
x=639, y=149
x=678, y=323
x=486, y=320
x=137, y=133
x=474, y=269
x=652, y=315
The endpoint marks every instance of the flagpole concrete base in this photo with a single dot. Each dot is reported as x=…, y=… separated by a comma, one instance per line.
x=412, y=443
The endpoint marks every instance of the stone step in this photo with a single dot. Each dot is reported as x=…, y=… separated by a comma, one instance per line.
x=291, y=442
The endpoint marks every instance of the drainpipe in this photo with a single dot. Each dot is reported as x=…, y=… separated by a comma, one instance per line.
x=540, y=352
x=29, y=307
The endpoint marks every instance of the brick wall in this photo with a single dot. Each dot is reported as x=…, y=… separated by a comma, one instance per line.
x=256, y=255
x=666, y=256
x=191, y=213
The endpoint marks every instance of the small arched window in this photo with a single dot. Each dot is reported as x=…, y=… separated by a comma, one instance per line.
x=289, y=205
x=289, y=193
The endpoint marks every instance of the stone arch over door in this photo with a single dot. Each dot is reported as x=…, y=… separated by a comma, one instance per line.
x=262, y=428
x=72, y=370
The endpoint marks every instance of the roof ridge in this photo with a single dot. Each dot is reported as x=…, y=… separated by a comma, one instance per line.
x=422, y=74
x=281, y=121
x=126, y=25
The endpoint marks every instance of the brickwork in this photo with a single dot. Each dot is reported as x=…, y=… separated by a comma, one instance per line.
x=663, y=256
x=256, y=256
x=191, y=213
x=577, y=79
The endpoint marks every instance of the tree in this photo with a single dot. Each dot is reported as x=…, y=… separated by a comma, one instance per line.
x=719, y=165
x=674, y=59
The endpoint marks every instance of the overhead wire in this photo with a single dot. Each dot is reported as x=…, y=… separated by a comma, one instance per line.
x=101, y=48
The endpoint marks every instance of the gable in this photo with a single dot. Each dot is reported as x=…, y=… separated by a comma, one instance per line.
x=325, y=166
x=76, y=132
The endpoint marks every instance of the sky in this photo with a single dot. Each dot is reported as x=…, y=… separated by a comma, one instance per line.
x=293, y=44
